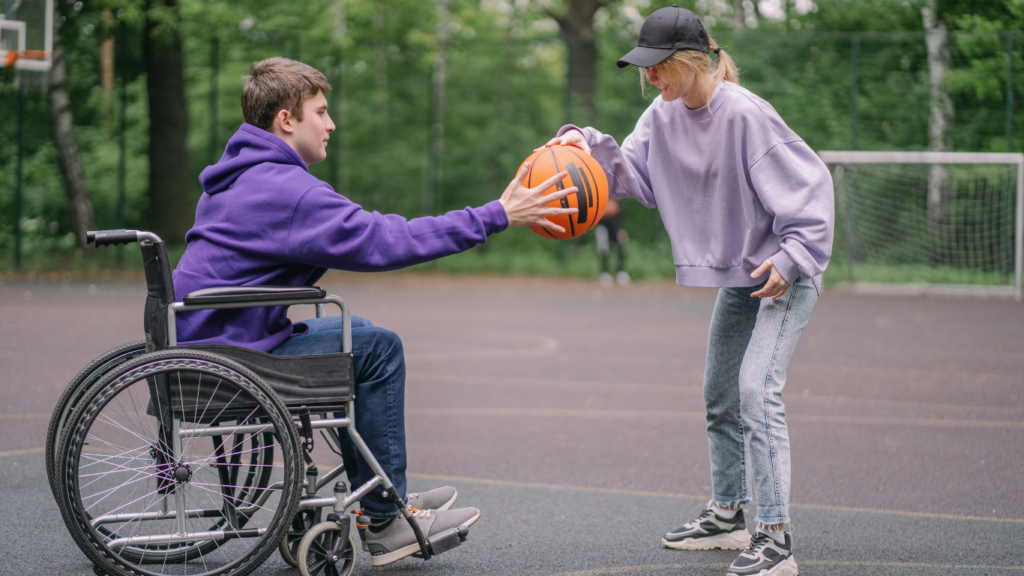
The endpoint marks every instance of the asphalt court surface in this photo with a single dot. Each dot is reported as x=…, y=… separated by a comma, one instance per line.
x=572, y=416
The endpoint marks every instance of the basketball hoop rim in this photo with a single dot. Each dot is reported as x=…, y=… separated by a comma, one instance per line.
x=22, y=58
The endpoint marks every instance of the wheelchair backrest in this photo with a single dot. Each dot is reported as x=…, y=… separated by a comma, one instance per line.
x=159, y=294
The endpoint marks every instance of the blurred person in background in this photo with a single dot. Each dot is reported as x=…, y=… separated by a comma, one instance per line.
x=608, y=232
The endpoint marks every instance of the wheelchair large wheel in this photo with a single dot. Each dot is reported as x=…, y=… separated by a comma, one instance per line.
x=167, y=467
x=79, y=385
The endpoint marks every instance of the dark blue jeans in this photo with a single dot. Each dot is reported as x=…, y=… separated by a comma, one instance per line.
x=380, y=400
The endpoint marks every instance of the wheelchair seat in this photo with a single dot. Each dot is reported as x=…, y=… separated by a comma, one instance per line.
x=321, y=383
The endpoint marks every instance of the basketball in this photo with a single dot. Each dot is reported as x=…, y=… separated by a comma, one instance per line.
x=585, y=174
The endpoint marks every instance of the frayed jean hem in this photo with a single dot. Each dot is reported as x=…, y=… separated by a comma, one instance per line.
x=728, y=504
x=771, y=518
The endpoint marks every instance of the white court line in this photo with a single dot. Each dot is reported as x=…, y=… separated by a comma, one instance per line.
x=675, y=415
x=703, y=498
x=30, y=416
x=654, y=494
x=546, y=347
x=22, y=451
x=650, y=567
x=675, y=388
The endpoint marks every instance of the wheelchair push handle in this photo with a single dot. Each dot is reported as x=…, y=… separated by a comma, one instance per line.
x=115, y=237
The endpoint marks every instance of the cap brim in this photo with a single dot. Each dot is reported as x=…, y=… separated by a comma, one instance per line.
x=645, y=57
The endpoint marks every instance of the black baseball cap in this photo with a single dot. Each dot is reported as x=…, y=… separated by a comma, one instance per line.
x=663, y=32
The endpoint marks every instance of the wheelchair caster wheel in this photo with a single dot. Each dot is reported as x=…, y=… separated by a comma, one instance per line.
x=98, y=571
x=327, y=550
x=303, y=521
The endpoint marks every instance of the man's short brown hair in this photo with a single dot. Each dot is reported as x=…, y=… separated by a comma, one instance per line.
x=278, y=84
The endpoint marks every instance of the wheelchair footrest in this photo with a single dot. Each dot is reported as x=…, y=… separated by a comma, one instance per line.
x=446, y=540
x=450, y=538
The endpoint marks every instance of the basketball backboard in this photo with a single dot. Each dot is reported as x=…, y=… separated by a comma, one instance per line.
x=26, y=34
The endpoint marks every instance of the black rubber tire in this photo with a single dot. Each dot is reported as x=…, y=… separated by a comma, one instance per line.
x=78, y=519
x=321, y=540
x=300, y=524
x=74, y=392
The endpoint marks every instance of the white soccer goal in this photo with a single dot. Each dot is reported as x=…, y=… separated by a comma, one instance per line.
x=945, y=223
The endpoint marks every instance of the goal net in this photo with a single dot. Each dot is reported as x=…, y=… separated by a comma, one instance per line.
x=928, y=222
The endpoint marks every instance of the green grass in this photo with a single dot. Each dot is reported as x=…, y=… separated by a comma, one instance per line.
x=66, y=261
x=517, y=252
x=523, y=252
x=912, y=274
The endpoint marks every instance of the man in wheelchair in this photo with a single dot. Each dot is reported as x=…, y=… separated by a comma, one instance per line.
x=265, y=220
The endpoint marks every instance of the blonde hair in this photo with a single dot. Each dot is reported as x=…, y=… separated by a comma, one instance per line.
x=699, y=62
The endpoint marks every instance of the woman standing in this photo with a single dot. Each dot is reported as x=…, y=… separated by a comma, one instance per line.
x=749, y=209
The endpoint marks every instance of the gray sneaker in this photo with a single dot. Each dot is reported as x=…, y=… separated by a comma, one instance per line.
x=398, y=540
x=765, y=557
x=709, y=531
x=437, y=499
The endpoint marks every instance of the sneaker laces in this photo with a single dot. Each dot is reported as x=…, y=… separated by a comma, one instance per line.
x=420, y=513
x=758, y=543
x=703, y=516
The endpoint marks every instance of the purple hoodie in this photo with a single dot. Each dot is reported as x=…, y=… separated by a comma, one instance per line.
x=265, y=220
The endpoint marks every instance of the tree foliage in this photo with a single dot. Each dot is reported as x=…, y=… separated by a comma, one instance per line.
x=506, y=89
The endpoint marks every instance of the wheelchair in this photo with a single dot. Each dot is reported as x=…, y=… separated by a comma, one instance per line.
x=174, y=460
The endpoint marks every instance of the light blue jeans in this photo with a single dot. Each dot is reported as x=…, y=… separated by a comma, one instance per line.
x=749, y=347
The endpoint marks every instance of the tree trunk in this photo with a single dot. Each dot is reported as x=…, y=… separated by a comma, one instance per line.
x=577, y=26
x=737, y=17
x=79, y=206
x=339, y=114
x=436, y=152
x=172, y=211
x=937, y=40
x=380, y=58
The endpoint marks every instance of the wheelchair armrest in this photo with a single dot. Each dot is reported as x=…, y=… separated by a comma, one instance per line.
x=254, y=294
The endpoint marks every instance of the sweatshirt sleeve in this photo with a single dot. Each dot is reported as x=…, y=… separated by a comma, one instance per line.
x=795, y=187
x=626, y=166
x=329, y=230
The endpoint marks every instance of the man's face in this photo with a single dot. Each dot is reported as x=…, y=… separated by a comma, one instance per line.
x=310, y=135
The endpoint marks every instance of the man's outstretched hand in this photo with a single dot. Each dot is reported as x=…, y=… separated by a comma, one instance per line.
x=529, y=206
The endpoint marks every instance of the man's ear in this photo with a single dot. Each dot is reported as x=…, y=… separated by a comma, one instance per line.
x=284, y=121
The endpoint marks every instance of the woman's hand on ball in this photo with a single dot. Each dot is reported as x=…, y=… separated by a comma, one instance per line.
x=529, y=206
x=776, y=285
x=570, y=138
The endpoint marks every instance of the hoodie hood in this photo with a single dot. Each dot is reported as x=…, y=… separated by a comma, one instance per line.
x=248, y=147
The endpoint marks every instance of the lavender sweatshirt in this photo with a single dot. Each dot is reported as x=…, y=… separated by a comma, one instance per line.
x=734, y=186
x=264, y=219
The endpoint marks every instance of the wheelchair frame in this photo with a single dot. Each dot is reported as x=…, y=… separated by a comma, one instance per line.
x=307, y=495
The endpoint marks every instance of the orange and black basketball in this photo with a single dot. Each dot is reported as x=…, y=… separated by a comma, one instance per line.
x=585, y=174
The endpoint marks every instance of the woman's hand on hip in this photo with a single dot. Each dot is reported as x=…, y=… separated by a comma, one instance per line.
x=529, y=206
x=776, y=285
x=570, y=138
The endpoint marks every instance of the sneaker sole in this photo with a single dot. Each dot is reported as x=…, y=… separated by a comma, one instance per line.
x=392, y=557
x=787, y=568
x=736, y=540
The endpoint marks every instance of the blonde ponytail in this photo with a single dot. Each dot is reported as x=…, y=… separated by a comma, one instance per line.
x=726, y=68
x=699, y=62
